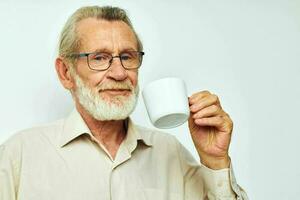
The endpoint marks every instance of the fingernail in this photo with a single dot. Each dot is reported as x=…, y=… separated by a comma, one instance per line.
x=192, y=107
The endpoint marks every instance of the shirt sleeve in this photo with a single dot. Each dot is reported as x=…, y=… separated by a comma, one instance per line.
x=201, y=182
x=7, y=176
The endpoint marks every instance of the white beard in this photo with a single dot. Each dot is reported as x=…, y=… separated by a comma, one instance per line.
x=118, y=107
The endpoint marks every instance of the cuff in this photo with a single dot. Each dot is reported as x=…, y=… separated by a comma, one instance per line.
x=218, y=183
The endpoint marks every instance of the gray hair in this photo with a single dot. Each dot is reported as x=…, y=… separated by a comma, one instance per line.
x=69, y=41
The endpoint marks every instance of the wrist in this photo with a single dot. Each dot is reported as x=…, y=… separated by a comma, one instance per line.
x=215, y=163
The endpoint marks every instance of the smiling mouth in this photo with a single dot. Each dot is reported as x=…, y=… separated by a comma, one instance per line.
x=116, y=91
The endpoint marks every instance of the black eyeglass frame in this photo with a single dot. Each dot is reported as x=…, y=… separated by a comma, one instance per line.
x=85, y=54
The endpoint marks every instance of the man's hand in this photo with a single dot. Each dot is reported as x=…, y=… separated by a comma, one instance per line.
x=210, y=127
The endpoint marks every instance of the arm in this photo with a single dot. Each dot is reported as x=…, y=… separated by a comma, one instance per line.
x=8, y=179
x=201, y=182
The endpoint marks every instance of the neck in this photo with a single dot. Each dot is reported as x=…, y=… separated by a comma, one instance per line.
x=109, y=133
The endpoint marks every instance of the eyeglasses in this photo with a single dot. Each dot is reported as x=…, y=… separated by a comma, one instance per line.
x=100, y=61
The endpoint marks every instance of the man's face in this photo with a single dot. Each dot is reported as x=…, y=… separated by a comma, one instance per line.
x=109, y=94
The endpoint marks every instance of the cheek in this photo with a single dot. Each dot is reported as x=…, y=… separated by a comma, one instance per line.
x=93, y=79
x=133, y=77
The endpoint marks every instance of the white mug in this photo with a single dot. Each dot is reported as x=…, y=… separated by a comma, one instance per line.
x=166, y=102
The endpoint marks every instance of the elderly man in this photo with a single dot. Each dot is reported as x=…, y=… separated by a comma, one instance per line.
x=97, y=152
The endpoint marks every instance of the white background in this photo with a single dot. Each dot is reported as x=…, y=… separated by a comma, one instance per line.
x=245, y=51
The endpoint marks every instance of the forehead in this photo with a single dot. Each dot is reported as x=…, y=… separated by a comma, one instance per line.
x=102, y=34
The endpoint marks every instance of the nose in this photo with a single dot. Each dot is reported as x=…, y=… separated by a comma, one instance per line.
x=116, y=70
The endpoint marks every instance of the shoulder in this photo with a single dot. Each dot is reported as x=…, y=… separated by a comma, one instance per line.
x=33, y=136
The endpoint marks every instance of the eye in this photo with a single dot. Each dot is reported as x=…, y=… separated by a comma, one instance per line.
x=100, y=56
x=126, y=56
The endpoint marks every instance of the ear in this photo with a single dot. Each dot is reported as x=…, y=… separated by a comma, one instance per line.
x=62, y=69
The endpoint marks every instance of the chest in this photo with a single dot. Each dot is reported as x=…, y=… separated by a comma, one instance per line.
x=89, y=174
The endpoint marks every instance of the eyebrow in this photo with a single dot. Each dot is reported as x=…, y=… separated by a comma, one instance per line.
x=129, y=49
x=106, y=50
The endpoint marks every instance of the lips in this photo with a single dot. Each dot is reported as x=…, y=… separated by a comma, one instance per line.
x=116, y=91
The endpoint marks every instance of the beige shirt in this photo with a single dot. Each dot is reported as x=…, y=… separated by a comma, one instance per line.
x=63, y=161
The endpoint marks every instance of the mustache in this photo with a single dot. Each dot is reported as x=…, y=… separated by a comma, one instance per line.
x=124, y=85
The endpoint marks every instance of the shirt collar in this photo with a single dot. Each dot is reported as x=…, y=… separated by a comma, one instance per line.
x=75, y=126
x=136, y=133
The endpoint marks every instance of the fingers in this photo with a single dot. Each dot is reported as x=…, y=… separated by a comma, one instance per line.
x=206, y=110
x=195, y=97
x=222, y=123
x=209, y=111
x=203, y=100
x=210, y=121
